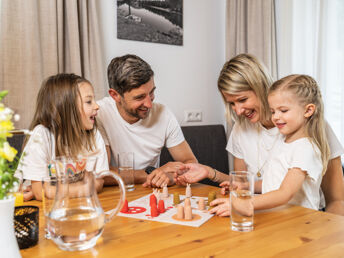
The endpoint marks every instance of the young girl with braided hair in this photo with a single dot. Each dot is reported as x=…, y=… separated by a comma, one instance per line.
x=294, y=174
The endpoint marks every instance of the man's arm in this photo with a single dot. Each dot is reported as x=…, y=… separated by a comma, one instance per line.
x=333, y=187
x=139, y=175
x=183, y=153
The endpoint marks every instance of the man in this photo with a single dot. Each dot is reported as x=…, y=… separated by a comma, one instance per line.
x=131, y=122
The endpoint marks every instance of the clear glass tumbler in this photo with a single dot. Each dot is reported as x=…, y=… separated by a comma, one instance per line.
x=241, y=199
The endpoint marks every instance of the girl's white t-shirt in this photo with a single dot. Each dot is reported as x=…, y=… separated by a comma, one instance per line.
x=300, y=154
x=256, y=145
x=39, y=152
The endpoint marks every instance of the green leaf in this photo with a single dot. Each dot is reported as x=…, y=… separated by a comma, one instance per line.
x=3, y=94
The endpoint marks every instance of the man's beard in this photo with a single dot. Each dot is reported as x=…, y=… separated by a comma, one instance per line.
x=134, y=112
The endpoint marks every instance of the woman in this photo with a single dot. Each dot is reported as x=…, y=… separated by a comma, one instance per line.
x=244, y=84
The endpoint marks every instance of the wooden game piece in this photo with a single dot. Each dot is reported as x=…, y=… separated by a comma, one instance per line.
x=154, y=191
x=125, y=207
x=152, y=200
x=165, y=191
x=201, y=204
x=161, y=206
x=211, y=197
x=176, y=199
x=187, y=212
x=180, y=212
x=154, y=211
x=187, y=202
x=158, y=195
x=188, y=191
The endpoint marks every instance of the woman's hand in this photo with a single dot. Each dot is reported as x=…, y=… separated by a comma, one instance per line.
x=223, y=207
x=225, y=187
x=191, y=173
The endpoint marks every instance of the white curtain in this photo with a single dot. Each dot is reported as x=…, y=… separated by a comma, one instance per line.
x=39, y=38
x=310, y=40
x=250, y=28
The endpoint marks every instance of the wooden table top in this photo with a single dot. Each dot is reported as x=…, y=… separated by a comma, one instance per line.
x=289, y=232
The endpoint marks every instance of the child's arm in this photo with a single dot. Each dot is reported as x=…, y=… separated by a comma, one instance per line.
x=75, y=189
x=290, y=185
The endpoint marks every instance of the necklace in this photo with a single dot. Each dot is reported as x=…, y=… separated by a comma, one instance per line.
x=267, y=149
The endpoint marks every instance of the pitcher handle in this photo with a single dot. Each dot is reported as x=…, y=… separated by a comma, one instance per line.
x=109, y=214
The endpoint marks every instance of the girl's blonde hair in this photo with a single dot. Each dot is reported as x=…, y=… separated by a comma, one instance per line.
x=58, y=109
x=308, y=92
x=245, y=73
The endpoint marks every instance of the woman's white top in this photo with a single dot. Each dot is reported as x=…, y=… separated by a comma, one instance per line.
x=40, y=151
x=300, y=154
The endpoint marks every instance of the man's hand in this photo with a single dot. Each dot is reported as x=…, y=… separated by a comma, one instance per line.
x=158, y=178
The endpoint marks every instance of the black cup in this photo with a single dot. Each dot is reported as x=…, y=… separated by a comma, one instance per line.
x=26, y=225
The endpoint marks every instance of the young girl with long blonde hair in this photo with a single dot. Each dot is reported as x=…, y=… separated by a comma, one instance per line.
x=294, y=174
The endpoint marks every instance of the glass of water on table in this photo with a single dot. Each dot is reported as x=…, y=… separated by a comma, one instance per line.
x=241, y=200
x=49, y=183
x=125, y=162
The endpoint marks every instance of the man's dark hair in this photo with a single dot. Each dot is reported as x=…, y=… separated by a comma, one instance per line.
x=128, y=72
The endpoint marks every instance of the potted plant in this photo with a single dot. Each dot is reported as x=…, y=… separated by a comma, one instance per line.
x=8, y=182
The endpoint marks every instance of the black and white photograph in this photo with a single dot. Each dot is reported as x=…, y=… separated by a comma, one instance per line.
x=157, y=21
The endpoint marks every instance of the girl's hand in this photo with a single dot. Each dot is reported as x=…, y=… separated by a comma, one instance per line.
x=225, y=187
x=223, y=207
x=27, y=193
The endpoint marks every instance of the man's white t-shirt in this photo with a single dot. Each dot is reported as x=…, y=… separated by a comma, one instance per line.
x=300, y=154
x=39, y=152
x=145, y=138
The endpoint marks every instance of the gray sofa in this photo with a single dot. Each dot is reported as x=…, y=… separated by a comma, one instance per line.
x=208, y=143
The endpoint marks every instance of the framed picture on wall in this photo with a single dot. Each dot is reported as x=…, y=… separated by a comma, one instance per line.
x=158, y=21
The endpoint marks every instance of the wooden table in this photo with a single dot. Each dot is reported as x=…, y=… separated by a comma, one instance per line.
x=290, y=232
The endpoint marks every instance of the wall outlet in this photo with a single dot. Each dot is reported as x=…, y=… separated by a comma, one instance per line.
x=193, y=115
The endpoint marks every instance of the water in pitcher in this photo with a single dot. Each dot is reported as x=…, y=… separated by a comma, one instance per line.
x=242, y=210
x=72, y=228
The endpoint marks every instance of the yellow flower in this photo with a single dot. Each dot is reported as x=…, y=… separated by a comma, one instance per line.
x=8, y=152
x=5, y=126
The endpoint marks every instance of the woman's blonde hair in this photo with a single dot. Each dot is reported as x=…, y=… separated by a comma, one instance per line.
x=245, y=73
x=57, y=109
x=306, y=89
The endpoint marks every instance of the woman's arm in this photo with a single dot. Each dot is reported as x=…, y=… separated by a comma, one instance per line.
x=333, y=187
x=290, y=185
x=239, y=164
x=195, y=172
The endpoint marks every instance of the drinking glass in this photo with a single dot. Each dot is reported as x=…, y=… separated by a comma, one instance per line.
x=48, y=196
x=126, y=169
x=241, y=199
